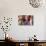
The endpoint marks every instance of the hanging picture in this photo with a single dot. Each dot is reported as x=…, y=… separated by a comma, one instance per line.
x=25, y=20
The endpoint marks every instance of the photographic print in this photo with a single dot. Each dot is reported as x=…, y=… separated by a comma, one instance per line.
x=25, y=20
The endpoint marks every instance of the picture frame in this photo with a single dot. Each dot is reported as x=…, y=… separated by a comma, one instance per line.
x=25, y=20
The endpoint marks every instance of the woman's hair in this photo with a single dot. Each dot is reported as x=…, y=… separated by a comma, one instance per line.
x=29, y=17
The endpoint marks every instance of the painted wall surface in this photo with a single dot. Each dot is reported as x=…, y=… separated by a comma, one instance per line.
x=13, y=8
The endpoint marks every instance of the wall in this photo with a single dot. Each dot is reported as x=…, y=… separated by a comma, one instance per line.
x=13, y=8
x=45, y=28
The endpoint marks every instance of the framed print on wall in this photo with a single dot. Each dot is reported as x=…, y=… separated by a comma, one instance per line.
x=25, y=20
